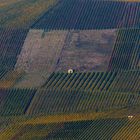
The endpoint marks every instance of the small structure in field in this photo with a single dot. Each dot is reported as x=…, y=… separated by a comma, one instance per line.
x=70, y=71
x=130, y=117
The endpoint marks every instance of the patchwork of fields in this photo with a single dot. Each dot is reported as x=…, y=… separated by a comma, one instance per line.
x=45, y=52
x=40, y=40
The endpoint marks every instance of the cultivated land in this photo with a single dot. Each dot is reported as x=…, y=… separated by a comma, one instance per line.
x=39, y=99
x=46, y=52
x=90, y=14
x=22, y=13
x=87, y=50
x=39, y=56
x=113, y=124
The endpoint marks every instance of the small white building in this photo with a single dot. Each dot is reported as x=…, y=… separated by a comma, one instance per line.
x=70, y=71
x=130, y=117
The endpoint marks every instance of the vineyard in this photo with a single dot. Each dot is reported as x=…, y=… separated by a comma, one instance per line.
x=126, y=50
x=90, y=14
x=75, y=101
x=69, y=70
x=22, y=13
x=44, y=52
x=10, y=79
x=92, y=81
x=11, y=42
x=15, y=101
x=108, y=128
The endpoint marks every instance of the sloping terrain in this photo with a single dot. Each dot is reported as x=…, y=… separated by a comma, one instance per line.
x=46, y=52
x=90, y=81
x=22, y=13
x=41, y=41
x=126, y=53
x=11, y=42
x=39, y=56
x=11, y=103
x=90, y=14
x=113, y=124
x=87, y=50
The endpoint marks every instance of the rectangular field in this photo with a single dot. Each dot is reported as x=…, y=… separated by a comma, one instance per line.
x=90, y=14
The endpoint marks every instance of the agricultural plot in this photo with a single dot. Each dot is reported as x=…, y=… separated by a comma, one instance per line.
x=139, y=64
x=10, y=79
x=127, y=133
x=22, y=13
x=107, y=129
x=74, y=101
x=87, y=50
x=15, y=101
x=39, y=56
x=40, y=40
x=126, y=53
x=11, y=42
x=128, y=81
x=45, y=52
x=25, y=127
x=72, y=130
x=81, y=81
x=131, y=15
x=4, y=123
x=36, y=132
x=89, y=14
x=2, y=73
x=79, y=50
x=89, y=129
